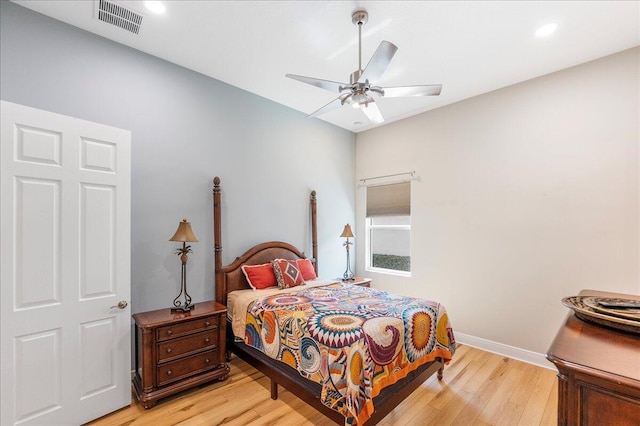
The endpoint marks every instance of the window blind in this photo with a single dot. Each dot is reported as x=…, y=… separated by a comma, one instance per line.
x=389, y=200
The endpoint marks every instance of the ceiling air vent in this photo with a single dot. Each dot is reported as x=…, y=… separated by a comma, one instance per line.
x=119, y=16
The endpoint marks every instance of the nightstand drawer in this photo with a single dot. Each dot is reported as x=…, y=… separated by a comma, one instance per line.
x=188, y=327
x=185, y=367
x=196, y=342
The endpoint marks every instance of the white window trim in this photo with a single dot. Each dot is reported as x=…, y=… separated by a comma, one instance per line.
x=368, y=267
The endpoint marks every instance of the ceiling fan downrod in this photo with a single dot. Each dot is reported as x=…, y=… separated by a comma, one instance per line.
x=359, y=18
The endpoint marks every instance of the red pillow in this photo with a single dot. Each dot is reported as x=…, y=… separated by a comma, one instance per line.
x=306, y=267
x=260, y=276
x=287, y=273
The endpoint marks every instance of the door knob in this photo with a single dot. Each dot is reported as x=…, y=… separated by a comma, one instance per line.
x=121, y=305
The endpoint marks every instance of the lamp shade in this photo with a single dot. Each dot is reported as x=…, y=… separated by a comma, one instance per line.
x=184, y=233
x=347, y=233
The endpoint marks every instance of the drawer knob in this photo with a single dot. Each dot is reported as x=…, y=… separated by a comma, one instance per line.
x=169, y=332
x=206, y=360
x=168, y=350
x=207, y=323
x=206, y=340
x=169, y=372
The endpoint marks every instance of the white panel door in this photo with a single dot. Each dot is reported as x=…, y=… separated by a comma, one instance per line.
x=65, y=196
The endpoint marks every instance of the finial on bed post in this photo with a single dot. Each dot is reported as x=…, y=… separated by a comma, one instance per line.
x=314, y=231
x=217, y=242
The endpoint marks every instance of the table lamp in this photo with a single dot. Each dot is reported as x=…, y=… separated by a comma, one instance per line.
x=347, y=233
x=185, y=235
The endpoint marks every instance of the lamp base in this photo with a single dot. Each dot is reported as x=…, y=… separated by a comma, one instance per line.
x=185, y=304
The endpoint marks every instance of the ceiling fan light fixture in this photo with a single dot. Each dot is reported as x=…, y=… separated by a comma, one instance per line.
x=359, y=98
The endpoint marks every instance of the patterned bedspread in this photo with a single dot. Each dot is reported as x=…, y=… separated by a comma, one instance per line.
x=352, y=340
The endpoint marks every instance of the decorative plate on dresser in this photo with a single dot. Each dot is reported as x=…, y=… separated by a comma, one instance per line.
x=607, y=311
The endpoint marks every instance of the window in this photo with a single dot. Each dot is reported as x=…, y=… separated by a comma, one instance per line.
x=388, y=225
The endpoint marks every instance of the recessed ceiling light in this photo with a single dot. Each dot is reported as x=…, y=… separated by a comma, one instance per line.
x=155, y=6
x=546, y=30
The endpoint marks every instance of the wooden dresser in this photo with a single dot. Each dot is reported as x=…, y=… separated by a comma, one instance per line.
x=598, y=372
x=176, y=351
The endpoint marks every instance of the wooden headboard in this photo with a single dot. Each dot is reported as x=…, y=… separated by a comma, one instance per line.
x=229, y=278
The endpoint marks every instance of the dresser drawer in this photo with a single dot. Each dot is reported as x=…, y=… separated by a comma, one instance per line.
x=185, y=367
x=187, y=327
x=173, y=348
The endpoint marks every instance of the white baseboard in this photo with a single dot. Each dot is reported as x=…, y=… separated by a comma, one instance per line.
x=505, y=350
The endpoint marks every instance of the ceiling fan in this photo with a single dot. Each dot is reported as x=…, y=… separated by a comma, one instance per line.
x=360, y=90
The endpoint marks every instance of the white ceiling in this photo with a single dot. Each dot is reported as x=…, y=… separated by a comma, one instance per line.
x=470, y=47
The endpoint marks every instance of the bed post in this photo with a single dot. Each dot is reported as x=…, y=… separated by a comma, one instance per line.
x=314, y=231
x=221, y=294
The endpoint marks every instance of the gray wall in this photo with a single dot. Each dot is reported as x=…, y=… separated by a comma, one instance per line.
x=187, y=128
x=526, y=195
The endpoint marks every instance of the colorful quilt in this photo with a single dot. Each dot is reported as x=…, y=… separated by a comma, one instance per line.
x=352, y=340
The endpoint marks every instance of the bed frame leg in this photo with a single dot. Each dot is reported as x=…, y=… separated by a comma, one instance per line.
x=440, y=373
x=274, y=389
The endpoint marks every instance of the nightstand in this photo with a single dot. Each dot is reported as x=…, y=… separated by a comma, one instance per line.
x=361, y=281
x=177, y=351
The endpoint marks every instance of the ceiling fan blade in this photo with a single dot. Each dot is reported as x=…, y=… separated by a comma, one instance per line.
x=336, y=103
x=402, y=91
x=332, y=86
x=372, y=112
x=379, y=62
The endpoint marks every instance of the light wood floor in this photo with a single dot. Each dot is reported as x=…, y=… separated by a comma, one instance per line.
x=479, y=388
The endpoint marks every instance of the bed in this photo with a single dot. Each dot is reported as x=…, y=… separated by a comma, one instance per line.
x=344, y=375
